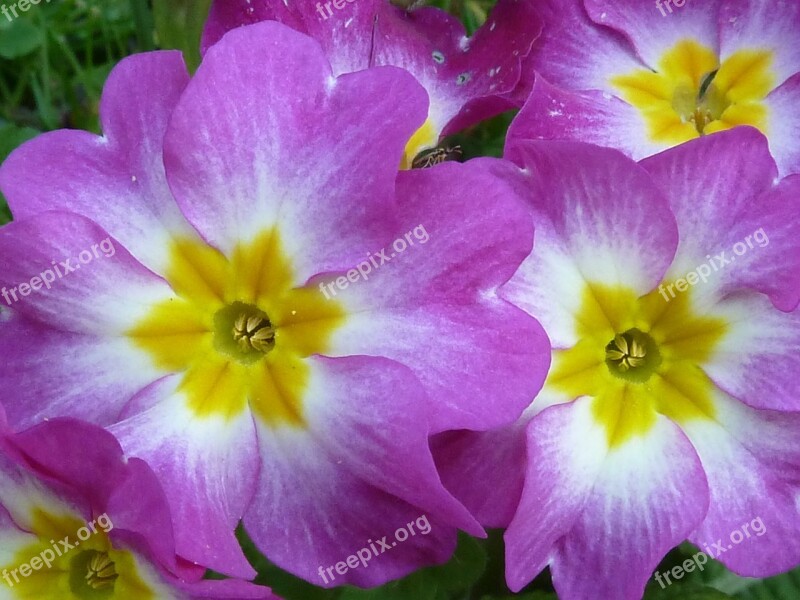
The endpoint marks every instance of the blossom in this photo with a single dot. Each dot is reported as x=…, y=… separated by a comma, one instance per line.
x=671, y=407
x=206, y=344
x=642, y=79
x=468, y=79
x=79, y=520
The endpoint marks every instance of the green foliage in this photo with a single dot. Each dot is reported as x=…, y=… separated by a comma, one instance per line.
x=18, y=38
x=781, y=587
x=179, y=25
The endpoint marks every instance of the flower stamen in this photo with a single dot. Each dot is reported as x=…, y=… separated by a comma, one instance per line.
x=254, y=332
x=101, y=572
x=627, y=355
x=633, y=355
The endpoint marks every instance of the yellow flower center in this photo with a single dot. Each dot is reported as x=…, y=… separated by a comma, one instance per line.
x=240, y=330
x=691, y=94
x=650, y=366
x=67, y=559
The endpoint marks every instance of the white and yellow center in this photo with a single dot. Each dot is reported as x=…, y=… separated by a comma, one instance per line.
x=90, y=569
x=692, y=94
x=239, y=330
x=638, y=357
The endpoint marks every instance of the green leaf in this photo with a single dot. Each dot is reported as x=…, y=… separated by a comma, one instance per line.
x=781, y=587
x=179, y=26
x=413, y=586
x=19, y=38
x=12, y=136
x=457, y=575
x=526, y=596
x=688, y=591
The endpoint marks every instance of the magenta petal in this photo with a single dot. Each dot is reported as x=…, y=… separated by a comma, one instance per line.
x=364, y=469
x=87, y=281
x=753, y=219
x=485, y=470
x=229, y=589
x=116, y=180
x=574, y=52
x=752, y=461
x=652, y=30
x=595, y=117
x=453, y=270
x=466, y=78
x=297, y=146
x=209, y=459
x=784, y=134
x=44, y=385
x=601, y=517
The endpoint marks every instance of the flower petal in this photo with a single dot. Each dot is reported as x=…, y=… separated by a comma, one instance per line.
x=753, y=220
x=552, y=113
x=485, y=470
x=751, y=459
x=654, y=30
x=758, y=359
x=440, y=294
x=784, y=131
x=757, y=24
x=360, y=469
x=602, y=519
x=298, y=148
x=575, y=53
x=95, y=285
x=209, y=458
x=117, y=180
x=599, y=218
x=229, y=589
x=89, y=386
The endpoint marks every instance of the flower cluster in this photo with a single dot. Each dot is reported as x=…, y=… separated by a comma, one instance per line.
x=521, y=368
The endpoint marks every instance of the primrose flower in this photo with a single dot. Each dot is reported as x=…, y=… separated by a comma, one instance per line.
x=671, y=407
x=80, y=521
x=645, y=76
x=283, y=320
x=467, y=78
